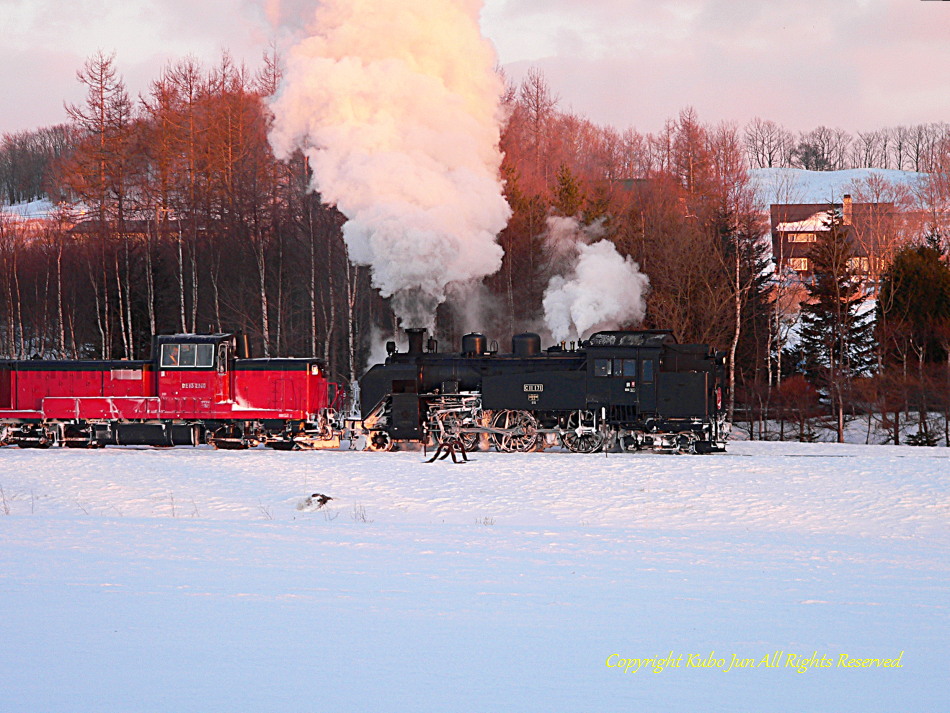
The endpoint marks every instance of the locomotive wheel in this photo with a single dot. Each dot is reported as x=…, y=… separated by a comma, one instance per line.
x=75, y=436
x=228, y=438
x=521, y=431
x=39, y=437
x=447, y=429
x=379, y=441
x=687, y=442
x=41, y=443
x=586, y=442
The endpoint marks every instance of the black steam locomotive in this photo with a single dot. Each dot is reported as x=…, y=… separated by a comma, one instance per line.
x=616, y=390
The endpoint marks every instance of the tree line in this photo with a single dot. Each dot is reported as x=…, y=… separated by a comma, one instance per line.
x=190, y=223
x=920, y=147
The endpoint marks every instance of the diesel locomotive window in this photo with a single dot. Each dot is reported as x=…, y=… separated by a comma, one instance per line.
x=188, y=355
x=170, y=355
x=205, y=356
x=602, y=367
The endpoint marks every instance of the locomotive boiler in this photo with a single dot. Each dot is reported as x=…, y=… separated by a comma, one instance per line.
x=626, y=390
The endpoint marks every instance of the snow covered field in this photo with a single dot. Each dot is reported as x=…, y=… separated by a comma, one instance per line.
x=189, y=580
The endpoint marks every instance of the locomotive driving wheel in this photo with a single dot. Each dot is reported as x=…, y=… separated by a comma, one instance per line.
x=581, y=435
x=520, y=431
x=447, y=427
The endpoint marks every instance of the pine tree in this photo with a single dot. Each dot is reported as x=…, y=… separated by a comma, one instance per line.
x=913, y=313
x=914, y=303
x=568, y=195
x=837, y=336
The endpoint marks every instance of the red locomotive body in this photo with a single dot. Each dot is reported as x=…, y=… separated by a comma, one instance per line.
x=195, y=388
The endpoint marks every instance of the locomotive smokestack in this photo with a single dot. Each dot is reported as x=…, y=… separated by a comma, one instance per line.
x=416, y=339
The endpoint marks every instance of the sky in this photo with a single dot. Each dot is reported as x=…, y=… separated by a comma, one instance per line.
x=853, y=64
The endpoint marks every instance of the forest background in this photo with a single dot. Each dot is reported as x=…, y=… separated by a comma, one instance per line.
x=173, y=215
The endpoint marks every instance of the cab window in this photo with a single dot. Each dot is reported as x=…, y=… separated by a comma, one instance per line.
x=602, y=367
x=205, y=356
x=626, y=368
x=186, y=355
x=170, y=355
x=647, y=371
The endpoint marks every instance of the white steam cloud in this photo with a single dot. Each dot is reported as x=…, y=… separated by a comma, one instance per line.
x=396, y=104
x=595, y=287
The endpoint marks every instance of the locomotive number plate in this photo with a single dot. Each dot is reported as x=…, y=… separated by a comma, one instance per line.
x=533, y=388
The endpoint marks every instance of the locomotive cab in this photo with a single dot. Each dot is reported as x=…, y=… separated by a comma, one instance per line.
x=622, y=371
x=193, y=369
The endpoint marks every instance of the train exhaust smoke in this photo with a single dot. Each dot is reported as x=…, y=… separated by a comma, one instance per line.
x=594, y=287
x=397, y=107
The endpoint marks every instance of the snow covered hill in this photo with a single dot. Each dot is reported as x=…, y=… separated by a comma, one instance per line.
x=795, y=185
x=189, y=580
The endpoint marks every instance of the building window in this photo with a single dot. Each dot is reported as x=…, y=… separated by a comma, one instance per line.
x=859, y=264
x=799, y=264
x=802, y=237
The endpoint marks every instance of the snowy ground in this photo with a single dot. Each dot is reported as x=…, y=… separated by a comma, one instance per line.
x=189, y=580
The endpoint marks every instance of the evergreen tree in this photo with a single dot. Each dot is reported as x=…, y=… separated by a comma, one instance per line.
x=837, y=336
x=914, y=328
x=568, y=198
x=914, y=304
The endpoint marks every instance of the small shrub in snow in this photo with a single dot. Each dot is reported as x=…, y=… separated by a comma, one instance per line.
x=922, y=438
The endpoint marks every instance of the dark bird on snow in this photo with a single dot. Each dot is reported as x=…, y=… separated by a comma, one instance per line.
x=314, y=502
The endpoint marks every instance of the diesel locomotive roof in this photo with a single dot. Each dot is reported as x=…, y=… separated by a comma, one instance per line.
x=193, y=338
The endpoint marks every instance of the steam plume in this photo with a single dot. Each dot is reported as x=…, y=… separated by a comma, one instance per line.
x=396, y=104
x=594, y=288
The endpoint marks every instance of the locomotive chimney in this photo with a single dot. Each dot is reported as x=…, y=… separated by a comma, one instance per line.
x=416, y=339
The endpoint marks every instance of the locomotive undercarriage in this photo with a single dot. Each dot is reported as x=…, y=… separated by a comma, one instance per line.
x=460, y=419
x=322, y=432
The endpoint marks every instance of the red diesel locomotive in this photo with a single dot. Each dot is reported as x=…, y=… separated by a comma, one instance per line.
x=196, y=388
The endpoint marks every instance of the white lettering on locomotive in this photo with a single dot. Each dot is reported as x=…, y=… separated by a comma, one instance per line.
x=533, y=388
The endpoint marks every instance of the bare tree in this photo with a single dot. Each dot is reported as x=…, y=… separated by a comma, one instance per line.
x=767, y=144
x=538, y=103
